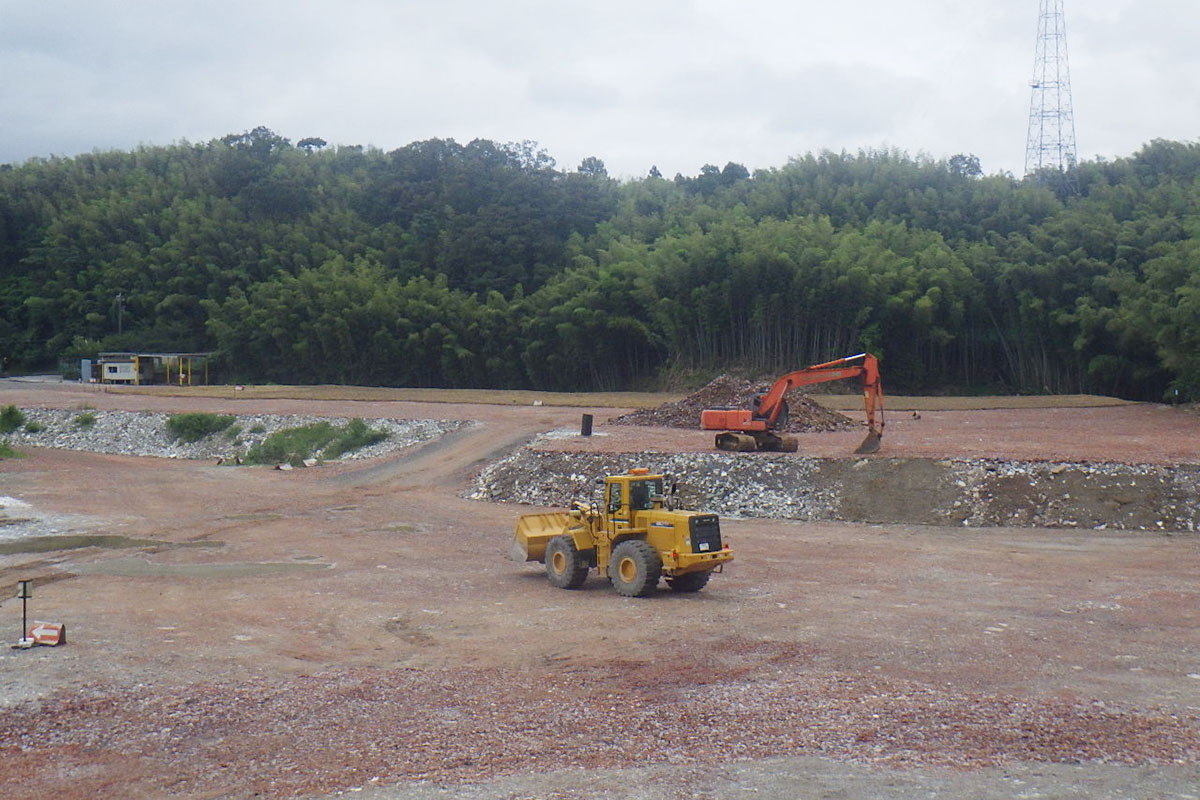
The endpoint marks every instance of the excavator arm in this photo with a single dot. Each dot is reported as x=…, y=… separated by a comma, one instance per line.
x=758, y=425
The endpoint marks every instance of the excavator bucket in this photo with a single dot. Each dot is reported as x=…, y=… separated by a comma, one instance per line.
x=870, y=444
x=533, y=532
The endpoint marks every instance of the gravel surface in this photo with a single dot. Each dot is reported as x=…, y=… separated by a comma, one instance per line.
x=750, y=700
x=19, y=519
x=793, y=777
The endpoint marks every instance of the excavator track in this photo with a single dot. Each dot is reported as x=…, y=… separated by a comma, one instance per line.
x=767, y=441
x=736, y=442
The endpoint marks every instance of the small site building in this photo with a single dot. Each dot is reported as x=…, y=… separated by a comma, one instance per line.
x=182, y=369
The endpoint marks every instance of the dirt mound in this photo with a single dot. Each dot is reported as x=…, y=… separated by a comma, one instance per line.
x=805, y=414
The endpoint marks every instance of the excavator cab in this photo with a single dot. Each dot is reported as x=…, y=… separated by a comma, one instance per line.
x=781, y=419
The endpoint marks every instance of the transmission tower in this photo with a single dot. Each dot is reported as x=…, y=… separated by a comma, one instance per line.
x=1051, y=140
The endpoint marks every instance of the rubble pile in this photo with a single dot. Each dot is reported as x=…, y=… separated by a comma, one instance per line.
x=805, y=415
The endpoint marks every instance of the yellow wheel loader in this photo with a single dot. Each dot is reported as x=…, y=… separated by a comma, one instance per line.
x=633, y=537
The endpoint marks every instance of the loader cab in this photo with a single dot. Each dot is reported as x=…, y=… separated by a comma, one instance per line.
x=627, y=494
x=646, y=494
x=615, y=502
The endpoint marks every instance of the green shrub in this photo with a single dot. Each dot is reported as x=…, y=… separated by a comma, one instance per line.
x=355, y=436
x=34, y=427
x=11, y=418
x=233, y=432
x=7, y=452
x=259, y=428
x=85, y=420
x=293, y=445
x=194, y=427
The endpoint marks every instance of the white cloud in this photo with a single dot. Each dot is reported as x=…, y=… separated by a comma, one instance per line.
x=676, y=83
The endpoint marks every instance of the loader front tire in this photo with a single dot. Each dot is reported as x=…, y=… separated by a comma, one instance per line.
x=565, y=568
x=691, y=582
x=635, y=568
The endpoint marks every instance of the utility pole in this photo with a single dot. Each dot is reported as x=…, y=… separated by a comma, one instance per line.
x=1050, y=144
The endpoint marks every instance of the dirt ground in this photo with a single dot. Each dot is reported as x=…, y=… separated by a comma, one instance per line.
x=355, y=628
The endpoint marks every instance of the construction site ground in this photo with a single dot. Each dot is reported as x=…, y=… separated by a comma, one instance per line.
x=354, y=628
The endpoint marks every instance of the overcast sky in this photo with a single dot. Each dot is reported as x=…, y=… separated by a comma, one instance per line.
x=672, y=83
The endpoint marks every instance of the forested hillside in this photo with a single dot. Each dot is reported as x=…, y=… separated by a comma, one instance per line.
x=485, y=265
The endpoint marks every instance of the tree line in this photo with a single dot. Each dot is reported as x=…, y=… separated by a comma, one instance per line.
x=485, y=265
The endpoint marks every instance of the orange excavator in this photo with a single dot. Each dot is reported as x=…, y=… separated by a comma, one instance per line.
x=746, y=430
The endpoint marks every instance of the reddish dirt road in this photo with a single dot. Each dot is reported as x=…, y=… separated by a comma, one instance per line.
x=303, y=633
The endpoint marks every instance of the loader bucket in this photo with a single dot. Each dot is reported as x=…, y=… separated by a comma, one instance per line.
x=870, y=444
x=533, y=532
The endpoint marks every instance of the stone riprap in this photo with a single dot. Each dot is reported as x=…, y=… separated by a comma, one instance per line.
x=144, y=433
x=966, y=492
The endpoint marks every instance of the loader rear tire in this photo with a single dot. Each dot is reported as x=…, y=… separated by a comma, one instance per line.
x=565, y=568
x=635, y=568
x=691, y=582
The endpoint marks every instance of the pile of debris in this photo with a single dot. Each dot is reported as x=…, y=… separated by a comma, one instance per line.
x=726, y=391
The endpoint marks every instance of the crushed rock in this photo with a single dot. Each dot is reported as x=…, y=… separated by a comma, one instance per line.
x=726, y=391
x=551, y=478
x=1120, y=496
x=966, y=492
x=144, y=433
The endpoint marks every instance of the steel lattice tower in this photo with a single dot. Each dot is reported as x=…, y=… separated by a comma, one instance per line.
x=1051, y=140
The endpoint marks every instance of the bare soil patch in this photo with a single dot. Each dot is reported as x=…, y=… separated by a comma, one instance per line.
x=410, y=657
x=453, y=726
